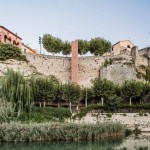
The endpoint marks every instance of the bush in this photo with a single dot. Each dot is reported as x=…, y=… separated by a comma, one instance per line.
x=45, y=114
x=9, y=51
x=108, y=62
x=109, y=115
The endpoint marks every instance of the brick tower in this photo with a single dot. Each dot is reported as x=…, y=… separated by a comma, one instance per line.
x=74, y=62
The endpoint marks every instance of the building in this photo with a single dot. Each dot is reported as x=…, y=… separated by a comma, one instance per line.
x=122, y=46
x=27, y=49
x=8, y=37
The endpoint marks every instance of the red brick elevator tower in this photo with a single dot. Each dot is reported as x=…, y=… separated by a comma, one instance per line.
x=74, y=62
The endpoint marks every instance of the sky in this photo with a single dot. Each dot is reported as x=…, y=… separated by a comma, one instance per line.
x=114, y=20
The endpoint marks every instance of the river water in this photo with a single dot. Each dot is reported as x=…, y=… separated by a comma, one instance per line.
x=140, y=142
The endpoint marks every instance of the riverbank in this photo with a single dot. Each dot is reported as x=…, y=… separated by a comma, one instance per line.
x=16, y=132
x=131, y=120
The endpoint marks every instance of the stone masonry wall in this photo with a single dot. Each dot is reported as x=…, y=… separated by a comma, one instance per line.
x=60, y=67
x=89, y=67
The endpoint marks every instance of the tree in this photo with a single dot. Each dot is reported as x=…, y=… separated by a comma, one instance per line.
x=59, y=93
x=132, y=89
x=87, y=94
x=103, y=89
x=52, y=44
x=98, y=46
x=83, y=47
x=66, y=48
x=44, y=89
x=71, y=93
x=17, y=90
x=145, y=94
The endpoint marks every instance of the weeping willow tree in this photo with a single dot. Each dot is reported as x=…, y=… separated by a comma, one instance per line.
x=16, y=91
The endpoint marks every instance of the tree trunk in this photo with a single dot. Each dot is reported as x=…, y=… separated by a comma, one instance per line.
x=77, y=108
x=70, y=107
x=58, y=104
x=130, y=101
x=102, y=100
x=44, y=104
x=40, y=104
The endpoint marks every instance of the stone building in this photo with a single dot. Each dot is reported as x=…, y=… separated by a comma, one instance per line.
x=122, y=46
x=27, y=49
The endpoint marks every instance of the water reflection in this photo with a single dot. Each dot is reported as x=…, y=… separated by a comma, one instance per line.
x=142, y=142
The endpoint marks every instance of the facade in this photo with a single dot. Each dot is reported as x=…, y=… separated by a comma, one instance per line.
x=8, y=37
x=27, y=49
x=122, y=46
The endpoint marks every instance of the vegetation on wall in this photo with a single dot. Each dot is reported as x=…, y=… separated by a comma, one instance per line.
x=145, y=75
x=108, y=62
x=9, y=51
x=97, y=46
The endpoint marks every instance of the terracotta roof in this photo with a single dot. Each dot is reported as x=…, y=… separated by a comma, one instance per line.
x=11, y=32
x=122, y=41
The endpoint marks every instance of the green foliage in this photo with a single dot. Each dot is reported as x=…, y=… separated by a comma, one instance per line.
x=98, y=46
x=89, y=92
x=108, y=62
x=139, y=75
x=132, y=89
x=16, y=90
x=43, y=89
x=66, y=48
x=52, y=44
x=83, y=46
x=103, y=88
x=9, y=51
x=147, y=77
x=59, y=132
x=112, y=102
x=71, y=92
x=45, y=114
x=109, y=115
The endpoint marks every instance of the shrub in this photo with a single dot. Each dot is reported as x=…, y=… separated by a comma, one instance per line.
x=140, y=114
x=45, y=114
x=109, y=115
x=145, y=114
x=108, y=62
x=9, y=51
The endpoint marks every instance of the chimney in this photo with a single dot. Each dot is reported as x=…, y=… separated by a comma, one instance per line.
x=74, y=62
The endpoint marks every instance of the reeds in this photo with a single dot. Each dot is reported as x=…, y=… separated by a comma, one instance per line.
x=16, y=132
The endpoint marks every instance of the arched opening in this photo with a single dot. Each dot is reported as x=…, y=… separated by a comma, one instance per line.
x=9, y=39
x=5, y=38
x=17, y=43
x=128, y=46
x=14, y=42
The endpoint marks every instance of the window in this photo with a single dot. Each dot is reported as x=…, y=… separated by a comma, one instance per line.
x=25, y=50
x=128, y=46
x=5, y=38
